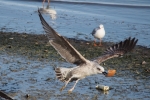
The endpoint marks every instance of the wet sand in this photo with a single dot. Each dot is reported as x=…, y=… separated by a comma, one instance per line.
x=27, y=64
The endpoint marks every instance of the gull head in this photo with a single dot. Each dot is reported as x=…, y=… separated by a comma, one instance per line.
x=101, y=26
x=98, y=69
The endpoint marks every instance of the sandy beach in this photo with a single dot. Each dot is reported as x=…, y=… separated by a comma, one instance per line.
x=27, y=60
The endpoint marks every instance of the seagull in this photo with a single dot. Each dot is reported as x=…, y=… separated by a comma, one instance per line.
x=98, y=33
x=47, y=1
x=84, y=67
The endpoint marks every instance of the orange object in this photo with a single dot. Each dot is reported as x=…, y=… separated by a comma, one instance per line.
x=111, y=73
x=95, y=44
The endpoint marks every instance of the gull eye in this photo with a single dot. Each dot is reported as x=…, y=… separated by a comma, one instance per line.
x=98, y=69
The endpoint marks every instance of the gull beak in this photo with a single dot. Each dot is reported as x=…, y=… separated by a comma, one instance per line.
x=105, y=73
x=109, y=73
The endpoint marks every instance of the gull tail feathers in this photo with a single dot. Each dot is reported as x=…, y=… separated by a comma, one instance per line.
x=61, y=73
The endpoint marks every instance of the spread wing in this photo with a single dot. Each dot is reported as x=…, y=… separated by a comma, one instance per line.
x=61, y=45
x=117, y=50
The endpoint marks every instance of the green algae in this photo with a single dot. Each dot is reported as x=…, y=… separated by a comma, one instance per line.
x=37, y=46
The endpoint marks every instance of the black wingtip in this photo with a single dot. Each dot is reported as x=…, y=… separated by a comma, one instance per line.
x=124, y=46
x=39, y=12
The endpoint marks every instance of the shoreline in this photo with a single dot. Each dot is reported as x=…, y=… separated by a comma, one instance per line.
x=10, y=39
x=37, y=46
x=33, y=45
x=77, y=20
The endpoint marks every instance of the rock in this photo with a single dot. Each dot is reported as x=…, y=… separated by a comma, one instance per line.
x=143, y=63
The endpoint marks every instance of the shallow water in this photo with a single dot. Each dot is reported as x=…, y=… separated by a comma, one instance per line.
x=21, y=76
x=77, y=19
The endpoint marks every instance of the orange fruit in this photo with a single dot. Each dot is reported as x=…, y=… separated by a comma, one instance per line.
x=111, y=73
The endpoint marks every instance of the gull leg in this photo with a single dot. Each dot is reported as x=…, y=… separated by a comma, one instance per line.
x=100, y=44
x=95, y=43
x=65, y=84
x=48, y=2
x=43, y=3
x=70, y=91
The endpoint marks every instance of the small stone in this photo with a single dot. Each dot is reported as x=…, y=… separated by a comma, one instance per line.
x=9, y=46
x=147, y=70
x=143, y=63
x=48, y=79
x=137, y=72
x=11, y=38
x=27, y=96
x=104, y=64
x=45, y=50
x=36, y=43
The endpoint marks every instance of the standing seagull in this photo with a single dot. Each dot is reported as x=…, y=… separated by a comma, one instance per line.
x=98, y=33
x=84, y=66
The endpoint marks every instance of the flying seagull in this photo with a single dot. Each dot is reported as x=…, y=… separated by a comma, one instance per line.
x=98, y=33
x=84, y=66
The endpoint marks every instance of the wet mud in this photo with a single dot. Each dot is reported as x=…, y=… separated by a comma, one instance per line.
x=27, y=65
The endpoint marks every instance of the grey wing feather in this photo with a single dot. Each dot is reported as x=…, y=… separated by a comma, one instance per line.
x=94, y=30
x=117, y=50
x=64, y=48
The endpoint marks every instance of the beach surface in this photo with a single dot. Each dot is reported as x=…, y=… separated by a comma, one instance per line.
x=77, y=19
x=27, y=60
x=27, y=63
